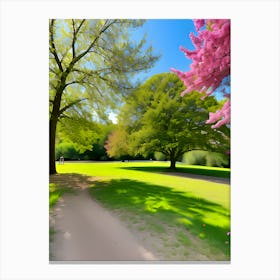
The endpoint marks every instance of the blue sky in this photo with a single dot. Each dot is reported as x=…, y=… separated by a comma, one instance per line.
x=166, y=36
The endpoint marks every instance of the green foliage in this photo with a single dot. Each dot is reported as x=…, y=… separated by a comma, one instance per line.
x=195, y=157
x=157, y=118
x=96, y=59
x=91, y=63
x=217, y=159
x=67, y=150
x=98, y=152
x=159, y=156
x=80, y=131
x=89, y=145
x=116, y=144
x=206, y=158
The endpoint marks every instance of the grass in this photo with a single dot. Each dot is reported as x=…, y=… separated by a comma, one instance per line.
x=55, y=192
x=183, y=168
x=195, y=212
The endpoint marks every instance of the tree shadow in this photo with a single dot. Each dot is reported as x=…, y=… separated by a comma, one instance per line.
x=72, y=181
x=160, y=204
x=219, y=176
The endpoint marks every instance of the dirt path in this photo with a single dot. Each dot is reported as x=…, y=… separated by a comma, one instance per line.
x=85, y=231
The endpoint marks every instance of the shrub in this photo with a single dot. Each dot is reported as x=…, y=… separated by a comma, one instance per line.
x=217, y=160
x=198, y=157
x=195, y=157
x=67, y=150
x=159, y=156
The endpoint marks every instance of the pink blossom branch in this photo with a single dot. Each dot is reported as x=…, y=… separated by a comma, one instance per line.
x=221, y=116
x=210, y=63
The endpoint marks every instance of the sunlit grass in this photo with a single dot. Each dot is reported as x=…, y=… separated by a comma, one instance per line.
x=141, y=193
x=141, y=171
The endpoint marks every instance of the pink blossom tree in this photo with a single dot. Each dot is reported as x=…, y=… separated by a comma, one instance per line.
x=210, y=67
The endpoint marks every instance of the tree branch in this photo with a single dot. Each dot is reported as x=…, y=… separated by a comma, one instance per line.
x=63, y=116
x=75, y=82
x=79, y=27
x=53, y=48
x=53, y=71
x=114, y=85
x=75, y=33
x=77, y=58
x=74, y=39
x=70, y=105
x=92, y=72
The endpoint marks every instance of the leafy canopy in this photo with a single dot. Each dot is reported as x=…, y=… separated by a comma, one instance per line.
x=91, y=66
x=157, y=118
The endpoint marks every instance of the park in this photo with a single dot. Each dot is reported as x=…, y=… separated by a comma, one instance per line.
x=139, y=165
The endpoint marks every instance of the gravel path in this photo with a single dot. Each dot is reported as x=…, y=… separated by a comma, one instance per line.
x=85, y=231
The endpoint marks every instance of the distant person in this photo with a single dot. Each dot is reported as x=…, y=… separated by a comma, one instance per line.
x=61, y=160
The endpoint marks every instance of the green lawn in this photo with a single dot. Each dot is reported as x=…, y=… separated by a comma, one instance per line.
x=195, y=212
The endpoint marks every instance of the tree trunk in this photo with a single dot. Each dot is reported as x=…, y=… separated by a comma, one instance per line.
x=53, y=123
x=172, y=163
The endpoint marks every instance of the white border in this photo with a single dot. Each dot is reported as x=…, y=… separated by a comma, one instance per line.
x=255, y=138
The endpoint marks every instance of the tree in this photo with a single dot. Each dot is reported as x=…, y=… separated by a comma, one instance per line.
x=98, y=151
x=80, y=131
x=67, y=149
x=91, y=63
x=210, y=68
x=158, y=119
x=74, y=141
x=117, y=143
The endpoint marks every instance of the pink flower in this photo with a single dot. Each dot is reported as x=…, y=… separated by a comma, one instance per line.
x=221, y=116
x=198, y=23
x=210, y=63
x=196, y=41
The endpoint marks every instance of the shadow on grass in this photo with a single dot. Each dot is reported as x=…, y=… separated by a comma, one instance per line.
x=159, y=205
x=66, y=183
x=183, y=170
x=71, y=180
